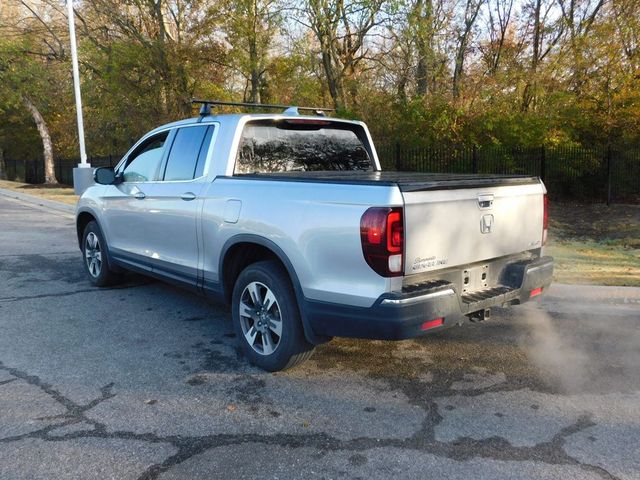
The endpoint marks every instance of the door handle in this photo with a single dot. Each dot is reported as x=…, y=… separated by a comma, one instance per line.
x=188, y=196
x=139, y=195
x=485, y=201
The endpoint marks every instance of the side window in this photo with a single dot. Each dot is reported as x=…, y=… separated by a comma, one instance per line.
x=202, y=158
x=143, y=163
x=188, y=153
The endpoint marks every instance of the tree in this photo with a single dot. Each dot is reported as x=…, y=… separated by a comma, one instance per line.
x=23, y=88
x=414, y=56
x=3, y=174
x=471, y=11
x=341, y=28
x=251, y=26
x=499, y=20
x=29, y=63
x=545, y=32
x=158, y=41
x=426, y=72
x=47, y=145
x=146, y=60
x=578, y=17
x=423, y=28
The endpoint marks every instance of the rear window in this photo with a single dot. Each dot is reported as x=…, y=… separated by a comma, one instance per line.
x=289, y=146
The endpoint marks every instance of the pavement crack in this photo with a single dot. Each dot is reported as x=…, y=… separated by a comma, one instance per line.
x=461, y=449
x=75, y=412
x=105, y=394
x=68, y=294
x=48, y=254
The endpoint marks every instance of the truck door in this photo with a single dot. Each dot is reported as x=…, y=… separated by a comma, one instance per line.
x=172, y=227
x=152, y=215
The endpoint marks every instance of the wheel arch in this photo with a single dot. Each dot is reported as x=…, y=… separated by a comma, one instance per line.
x=83, y=218
x=241, y=251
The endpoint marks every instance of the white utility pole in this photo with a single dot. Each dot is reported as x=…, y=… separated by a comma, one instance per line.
x=83, y=175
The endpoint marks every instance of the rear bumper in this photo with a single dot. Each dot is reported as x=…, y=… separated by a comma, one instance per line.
x=398, y=316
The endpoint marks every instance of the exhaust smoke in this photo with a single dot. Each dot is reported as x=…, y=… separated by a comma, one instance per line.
x=561, y=360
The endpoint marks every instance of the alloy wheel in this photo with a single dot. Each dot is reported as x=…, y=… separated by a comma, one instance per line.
x=93, y=254
x=260, y=318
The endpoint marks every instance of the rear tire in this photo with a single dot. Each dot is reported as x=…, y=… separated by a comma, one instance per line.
x=266, y=318
x=94, y=254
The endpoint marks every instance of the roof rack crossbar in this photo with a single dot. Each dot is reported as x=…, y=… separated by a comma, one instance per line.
x=205, y=109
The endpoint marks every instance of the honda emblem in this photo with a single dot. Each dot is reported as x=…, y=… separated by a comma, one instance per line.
x=486, y=225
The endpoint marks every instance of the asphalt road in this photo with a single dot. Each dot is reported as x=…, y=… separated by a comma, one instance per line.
x=144, y=381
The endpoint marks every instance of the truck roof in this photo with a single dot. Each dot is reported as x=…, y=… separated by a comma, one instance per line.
x=235, y=118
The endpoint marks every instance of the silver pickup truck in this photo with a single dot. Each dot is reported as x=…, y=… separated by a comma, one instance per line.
x=290, y=219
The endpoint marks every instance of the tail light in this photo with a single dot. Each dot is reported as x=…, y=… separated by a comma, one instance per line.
x=306, y=121
x=545, y=220
x=382, y=237
x=432, y=323
x=535, y=292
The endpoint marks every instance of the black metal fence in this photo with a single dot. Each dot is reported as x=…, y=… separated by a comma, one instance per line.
x=570, y=173
x=581, y=174
x=32, y=171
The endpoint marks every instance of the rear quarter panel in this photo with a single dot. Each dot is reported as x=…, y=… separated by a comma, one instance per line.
x=316, y=225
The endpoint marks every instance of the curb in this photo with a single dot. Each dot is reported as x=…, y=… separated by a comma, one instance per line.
x=42, y=202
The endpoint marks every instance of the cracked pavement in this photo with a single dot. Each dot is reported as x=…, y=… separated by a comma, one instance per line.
x=144, y=381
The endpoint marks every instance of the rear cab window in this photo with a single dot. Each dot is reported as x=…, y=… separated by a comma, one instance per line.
x=290, y=145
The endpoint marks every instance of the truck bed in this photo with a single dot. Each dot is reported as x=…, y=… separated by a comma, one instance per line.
x=406, y=181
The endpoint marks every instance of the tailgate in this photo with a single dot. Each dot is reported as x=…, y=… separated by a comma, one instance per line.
x=447, y=228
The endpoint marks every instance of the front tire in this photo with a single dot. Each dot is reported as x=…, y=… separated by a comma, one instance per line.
x=94, y=254
x=266, y=318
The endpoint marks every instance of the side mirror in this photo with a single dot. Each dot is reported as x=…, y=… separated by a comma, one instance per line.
x=104, y=176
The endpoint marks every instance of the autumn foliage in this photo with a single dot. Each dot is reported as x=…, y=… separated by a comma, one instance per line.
x=561, y=73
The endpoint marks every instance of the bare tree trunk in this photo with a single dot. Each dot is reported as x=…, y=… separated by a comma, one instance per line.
x=498, y=30
x=334, y=82
x=401, y=87
x=423, y=18
x=254, y=61
x=528, y=95
x=3, y=175
x=472, y=9
x=254, y=94
x=458, y=69
x=47, y=146
x=421, y=74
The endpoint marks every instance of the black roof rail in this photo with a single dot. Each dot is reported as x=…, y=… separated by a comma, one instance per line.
x=205, y=109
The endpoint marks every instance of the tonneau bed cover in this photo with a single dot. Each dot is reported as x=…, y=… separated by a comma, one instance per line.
x=406, y=181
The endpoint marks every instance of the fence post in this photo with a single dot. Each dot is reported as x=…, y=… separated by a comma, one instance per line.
x=398, y=169
x=543, y=163
x=474, y=159
x=608, y=174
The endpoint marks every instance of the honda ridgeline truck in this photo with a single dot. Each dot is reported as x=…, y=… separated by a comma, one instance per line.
x=290, y=219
